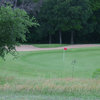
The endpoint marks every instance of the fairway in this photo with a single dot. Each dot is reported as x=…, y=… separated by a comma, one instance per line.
x=49, y=45
x=56, y=72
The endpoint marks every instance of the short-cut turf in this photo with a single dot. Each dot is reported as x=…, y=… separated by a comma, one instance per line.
x=49, y=45
x=50, y=64
x=48, y=72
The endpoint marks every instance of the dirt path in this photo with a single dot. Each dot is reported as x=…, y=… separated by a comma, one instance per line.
x=32, y=48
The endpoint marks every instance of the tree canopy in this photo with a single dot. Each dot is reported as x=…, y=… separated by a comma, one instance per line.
x=61, y=21
x=64, y=15
x=14, y=23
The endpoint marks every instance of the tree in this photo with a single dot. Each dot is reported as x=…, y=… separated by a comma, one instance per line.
x=72, y=15
x=14, y=23
x=65, y=15
x=95, y=4
x=47, y=20
x=31, y=6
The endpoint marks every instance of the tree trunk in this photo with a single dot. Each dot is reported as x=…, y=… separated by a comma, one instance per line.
x=15, y=3
x=60, y=37
x=22, y=4
x=50, y=39
x=72, y=37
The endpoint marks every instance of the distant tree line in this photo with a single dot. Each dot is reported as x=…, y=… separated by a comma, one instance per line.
x=61, y=21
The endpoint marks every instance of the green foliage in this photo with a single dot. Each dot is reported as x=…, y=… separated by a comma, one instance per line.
x=14, y=23
x=64, y=15
x=95, y=4
x=96, y=74
x=21, y=1
x=46, y=18
x=74, y=14
x=80, y=17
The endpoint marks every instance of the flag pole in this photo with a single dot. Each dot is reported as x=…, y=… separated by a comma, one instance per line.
x=65, y=49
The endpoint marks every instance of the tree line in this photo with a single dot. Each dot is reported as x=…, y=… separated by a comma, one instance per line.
x=70, y=21
x=61, y=21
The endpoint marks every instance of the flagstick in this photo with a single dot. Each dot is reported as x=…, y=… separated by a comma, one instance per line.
x=63, y=55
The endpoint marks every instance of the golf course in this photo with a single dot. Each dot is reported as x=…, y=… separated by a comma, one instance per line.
x=49, y=49
x=73, y=74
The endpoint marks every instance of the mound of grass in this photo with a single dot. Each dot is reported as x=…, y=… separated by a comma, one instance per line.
x=49, y=45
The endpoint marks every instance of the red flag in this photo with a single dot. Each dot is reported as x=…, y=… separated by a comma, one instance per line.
x=65, y=49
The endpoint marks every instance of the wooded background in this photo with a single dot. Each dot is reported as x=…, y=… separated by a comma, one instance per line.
x=61, y=21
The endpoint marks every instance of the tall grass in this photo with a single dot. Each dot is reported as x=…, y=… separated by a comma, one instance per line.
x=67, y=86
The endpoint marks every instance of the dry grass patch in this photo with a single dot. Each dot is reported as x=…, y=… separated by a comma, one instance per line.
x=57, y=86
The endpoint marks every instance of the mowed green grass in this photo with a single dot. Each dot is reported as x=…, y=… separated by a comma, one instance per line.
x=49, y=45
x=49, y=75
x=50, y=64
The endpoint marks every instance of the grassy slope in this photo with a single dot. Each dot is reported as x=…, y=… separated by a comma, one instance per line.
x=49, y=45
x=48, y=73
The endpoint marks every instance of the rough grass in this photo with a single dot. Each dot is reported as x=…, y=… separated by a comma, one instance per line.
x=67, y=87
x=44, y=97
x=49, y=45
x=45, y=75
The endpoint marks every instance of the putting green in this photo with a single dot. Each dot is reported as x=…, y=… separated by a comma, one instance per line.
x=52, y=64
